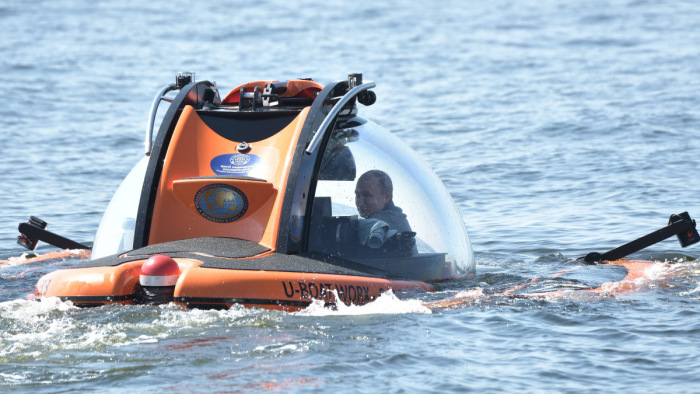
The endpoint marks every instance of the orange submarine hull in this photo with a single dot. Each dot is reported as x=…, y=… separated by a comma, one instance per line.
x=219, y=288
x=226, y=202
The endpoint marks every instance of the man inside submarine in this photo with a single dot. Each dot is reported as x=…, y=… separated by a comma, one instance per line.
x=378, y=204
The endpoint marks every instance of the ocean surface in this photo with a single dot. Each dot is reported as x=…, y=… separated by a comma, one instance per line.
x=559, y=128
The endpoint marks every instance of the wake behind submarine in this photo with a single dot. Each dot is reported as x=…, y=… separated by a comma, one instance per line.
x=274, y=196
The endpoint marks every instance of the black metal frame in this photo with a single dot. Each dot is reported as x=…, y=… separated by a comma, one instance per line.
x=302, y=173
x=192, y=94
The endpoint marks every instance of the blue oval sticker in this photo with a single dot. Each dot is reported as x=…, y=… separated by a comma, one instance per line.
x=234, y=164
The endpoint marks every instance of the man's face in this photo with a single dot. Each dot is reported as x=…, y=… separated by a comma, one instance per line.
x=368, y=196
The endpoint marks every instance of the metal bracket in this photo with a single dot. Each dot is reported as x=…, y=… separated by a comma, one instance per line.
x=330, y=118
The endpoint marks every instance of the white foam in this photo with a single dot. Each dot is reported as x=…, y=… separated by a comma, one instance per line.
x=17, y=260
x=471, y=294
x=687, y=293
x=30, y=324
x=656, y=271
x=386, y=304
x=11, y=377
x=24, y=309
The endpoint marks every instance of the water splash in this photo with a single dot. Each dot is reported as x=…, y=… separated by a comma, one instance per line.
x=386, y=304
x=44, y=329
x=641, y=276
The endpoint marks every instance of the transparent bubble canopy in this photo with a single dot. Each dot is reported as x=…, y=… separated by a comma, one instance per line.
x=397, y=187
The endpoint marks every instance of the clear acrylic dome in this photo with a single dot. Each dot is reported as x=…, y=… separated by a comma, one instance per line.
x=440, y=247
x=116, y=231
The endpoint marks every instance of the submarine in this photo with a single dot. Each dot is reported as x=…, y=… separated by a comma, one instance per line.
x=277, y=195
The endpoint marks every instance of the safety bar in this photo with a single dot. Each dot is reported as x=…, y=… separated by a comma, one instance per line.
x=316, y=140
x=152, y=118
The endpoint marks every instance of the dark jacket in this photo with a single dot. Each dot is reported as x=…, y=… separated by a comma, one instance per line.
x=394, y=217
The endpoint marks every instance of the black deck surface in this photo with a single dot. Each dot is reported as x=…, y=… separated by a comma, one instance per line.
x=234, y=254
x=215, y=246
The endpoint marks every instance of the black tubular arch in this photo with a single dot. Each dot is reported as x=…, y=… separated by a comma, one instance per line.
x=192, y=94
x=303, y=171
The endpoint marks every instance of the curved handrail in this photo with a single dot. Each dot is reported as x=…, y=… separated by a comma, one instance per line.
x=316, y=140
x=152, y=118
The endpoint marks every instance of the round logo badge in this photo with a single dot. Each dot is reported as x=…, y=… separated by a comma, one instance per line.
x=239, y=159
x=220, y=203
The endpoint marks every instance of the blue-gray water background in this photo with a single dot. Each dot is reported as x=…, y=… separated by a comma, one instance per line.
x=559, y=127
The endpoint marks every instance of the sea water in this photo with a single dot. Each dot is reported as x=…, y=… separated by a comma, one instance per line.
x=559, y=128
